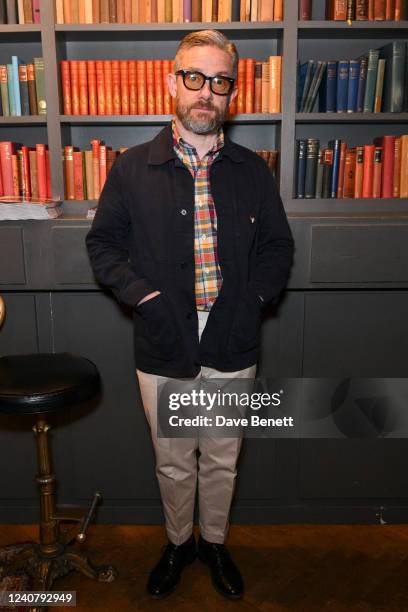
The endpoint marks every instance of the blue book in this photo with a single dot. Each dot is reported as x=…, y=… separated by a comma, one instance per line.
x=353, y=79
x=10, y=87
x=327, y=93
x=335, y=145
x=301, y=168
x=342, y=85
x=16, y=84
x=362, y=79
x=302, y=68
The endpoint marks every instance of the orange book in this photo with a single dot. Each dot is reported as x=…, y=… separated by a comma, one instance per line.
x=33, y=173
x=278, y=10
x=141, y=87
x=41, y=171
x=83, y=87
x=397, y=167
x=104, y=11
x=66, y=87
x=92, y=90
x=371, y=10
x=75, y=11
x=25, y=172
x=67, y=12
x=100, y=87
x=48, y=173
x=102, y=166
x=81, y=11
x=78, y=176
x=132, y=87
x=377, y=172
x=95, y=168
x=166, y=93
x=116, y=93
x=340, y=186
x=107, y=72
x=379, y=10
x=275, y=68
x=120, y=8
x=6, y=151
x=258, y=87
x=88, y=11
x=158, y=86
x=265, y=85
x=404, y=167
x=96, y=11
x=14, y=173
x=266, y=10
x=172, y=100
x=249, y=84
x=142, y=11
x=150, y=87
x=358, y=191
x=74, y=87
x=124, y=86
x=241, y=86
x=397, y=11
x=69, y=172
x=390, y=10
x=128, y=11
x=368, y=171
x=349, y=173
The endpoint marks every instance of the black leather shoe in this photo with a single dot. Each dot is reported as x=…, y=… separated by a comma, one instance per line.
x=225, y=575
x=166, y=574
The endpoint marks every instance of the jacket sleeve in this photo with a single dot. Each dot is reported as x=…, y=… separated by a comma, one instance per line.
x=107, y=242
x=275, y=244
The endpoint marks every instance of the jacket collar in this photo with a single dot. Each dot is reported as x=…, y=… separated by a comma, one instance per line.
x=161, y=148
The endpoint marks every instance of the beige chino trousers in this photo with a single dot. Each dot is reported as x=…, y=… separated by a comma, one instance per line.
x=178, y=469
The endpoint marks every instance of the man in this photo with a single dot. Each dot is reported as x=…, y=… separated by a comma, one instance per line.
x=190, y=232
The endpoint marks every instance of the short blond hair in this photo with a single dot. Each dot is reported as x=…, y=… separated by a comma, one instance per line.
x=211, y=38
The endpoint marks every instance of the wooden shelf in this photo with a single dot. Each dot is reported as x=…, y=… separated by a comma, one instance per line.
x=351, y=118
x=348, y=206
x=24, y=120
x=161, y=119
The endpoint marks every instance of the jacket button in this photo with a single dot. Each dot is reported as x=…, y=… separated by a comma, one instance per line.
x=183, y=211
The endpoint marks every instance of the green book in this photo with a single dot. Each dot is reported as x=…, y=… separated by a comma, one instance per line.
x=40, y=85
x=10, y=88
x=373, y=56
x=4, y=90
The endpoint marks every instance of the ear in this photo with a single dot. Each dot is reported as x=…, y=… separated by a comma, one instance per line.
x=172, y=84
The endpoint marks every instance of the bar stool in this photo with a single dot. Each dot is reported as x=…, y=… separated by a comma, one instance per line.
x=36, y=385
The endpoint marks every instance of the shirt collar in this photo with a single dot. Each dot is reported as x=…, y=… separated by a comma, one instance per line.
x=179, y=141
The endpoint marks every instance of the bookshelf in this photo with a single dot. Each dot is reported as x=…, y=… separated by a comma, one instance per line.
x=291, y=38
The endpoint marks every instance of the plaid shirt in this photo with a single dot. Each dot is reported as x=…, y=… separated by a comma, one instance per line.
x=208, y=278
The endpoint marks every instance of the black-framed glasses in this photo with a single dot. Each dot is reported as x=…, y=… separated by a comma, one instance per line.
x=194, y=80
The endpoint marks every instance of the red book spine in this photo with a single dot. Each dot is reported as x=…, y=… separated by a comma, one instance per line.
x=132, y=87
x=92, y=95
x=66, y=87
x=107, y=71
x=124, y=86
x=397, y=11
x=41, y=171
x=100, y=87
x=48, y=173
x=305, y=10
x=241, y=86
x=102, y=166
x=379, y=10
x=74, y=87
x=377, y=171
x=340, y=186
x=141, y=87
x=340, y=10
x=26, y=186
x=390, y=10
x=14, y=170
x=83, y=87
x=166, y=93
x=371, y=10
x=359, y=169
x=368, y=171
x=158, y=86
x=78, y=176
x=257, y=88
x=150, y=87
x=69, y=172
x=249, y=84
x=397, y=167
x=95, y=167
x=116, y=106
x=388, y=146
x=6, y=151
x=1, y=181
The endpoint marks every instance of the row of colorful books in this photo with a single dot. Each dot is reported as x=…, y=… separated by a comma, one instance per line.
x=378, y=170
x=130, y=87
x=24, y=171
x=358, y=10
x=22, y=88
x=166, y=11
x=19, y=11
x=375, y=82
x=85, y=171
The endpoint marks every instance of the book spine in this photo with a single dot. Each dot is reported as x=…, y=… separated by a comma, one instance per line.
x=249, y=84
x=361, y=10
x=327, y=172
x=16, y=84
x=397, y=167
x=124, y=86
x=368, y=170
x=275, y=63
x=377, y=170
x=379, y=10
x=33, y=173
x=41, y=171
x=335, y=146
x=305, y=10
x=78, y=176
x=158, y=86
x=141, y=87
x=6, y=152
x=74, y=70
x=66, y=87
x=340, y=183
x=388, y=146
x=342, y=85
x=372, y=68
x=241, y=86
x=258, y=87
x=102, y=166
x=132, y=87
x=312, y=151
x=339, y=10
x=379, y=86
x=100, y=87
x=92, y=89
x=359, y=170
x=150, y=87
x=10, y=87
x=301, y=168
x=404, y=165
x=353, y=82
x=166, y=93
x=95, y=167
x=107, y=73
x=23, y=78
x=362, y=80
x=349, y=173
x=83, y=87
x=25, y=172
x=69, y=172
x=116, y=83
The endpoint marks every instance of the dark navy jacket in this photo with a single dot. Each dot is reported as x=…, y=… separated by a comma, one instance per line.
x=142, y=240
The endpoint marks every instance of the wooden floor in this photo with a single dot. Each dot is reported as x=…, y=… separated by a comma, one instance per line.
x=286, y=567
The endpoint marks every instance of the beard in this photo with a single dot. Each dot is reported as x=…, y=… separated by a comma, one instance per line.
x=200, y=122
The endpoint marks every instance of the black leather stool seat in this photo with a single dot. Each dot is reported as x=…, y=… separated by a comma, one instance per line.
x=45, y=382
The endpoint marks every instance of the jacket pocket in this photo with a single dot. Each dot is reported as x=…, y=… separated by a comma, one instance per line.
x=246, y=325
x=160, y=325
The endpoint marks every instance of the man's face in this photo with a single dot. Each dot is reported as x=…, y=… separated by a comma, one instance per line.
x=202, y=111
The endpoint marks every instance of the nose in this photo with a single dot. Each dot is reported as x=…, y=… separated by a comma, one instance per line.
x=205, y=91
